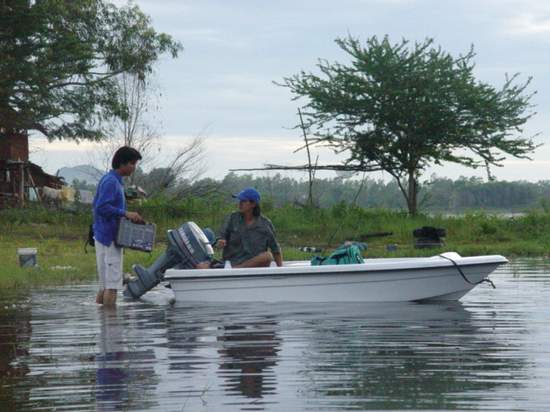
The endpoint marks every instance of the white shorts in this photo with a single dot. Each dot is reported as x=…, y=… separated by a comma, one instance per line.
x=109, y=265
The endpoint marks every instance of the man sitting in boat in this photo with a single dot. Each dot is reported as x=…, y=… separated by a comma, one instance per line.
x=246, y=235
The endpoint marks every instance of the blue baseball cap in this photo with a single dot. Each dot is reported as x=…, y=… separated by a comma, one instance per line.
x=248, y=194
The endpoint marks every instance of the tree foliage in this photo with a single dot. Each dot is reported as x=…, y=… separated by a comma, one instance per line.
x=59, y=60
x=402, y=107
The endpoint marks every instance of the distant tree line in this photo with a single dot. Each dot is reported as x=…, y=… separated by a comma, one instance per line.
x=436, y=195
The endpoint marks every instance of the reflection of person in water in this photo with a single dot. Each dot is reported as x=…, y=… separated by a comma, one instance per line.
x=111, y=374
x=118, y=367
x=251, y=349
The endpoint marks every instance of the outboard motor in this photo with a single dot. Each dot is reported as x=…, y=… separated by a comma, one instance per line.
x=187, y=247
x=428, y=237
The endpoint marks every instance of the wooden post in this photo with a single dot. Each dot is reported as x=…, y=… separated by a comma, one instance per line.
x=31, y=180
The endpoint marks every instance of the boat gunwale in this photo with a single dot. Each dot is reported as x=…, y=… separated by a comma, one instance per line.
x=352, y=269
x=335, y=283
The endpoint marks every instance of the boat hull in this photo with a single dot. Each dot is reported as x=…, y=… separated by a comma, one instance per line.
x=377, y=280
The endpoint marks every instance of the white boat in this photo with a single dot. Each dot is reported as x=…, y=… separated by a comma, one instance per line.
x=444, y=277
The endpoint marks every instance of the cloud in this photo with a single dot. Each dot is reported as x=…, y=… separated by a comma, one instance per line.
x=523, y=17
x=526, y=163
x=529, y=24
x=235, y=49
x=39, y=143
x=222, y=152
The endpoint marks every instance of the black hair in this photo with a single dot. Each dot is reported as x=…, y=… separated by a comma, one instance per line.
x=256, y=211
x=125, y=155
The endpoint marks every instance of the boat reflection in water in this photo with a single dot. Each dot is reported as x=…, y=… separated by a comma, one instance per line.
x=58, y=351
x=247, y=356
x=411, y=355
x=341, y=356
x=222, y=356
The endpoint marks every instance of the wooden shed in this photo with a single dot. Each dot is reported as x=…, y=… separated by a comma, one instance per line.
x=18, y=176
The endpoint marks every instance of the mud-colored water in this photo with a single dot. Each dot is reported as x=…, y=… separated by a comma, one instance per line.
x=488, y=352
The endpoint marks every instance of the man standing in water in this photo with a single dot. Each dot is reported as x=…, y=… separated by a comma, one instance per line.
x=109, y=207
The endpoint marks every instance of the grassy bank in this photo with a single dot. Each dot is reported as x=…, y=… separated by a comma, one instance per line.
x=59, y=236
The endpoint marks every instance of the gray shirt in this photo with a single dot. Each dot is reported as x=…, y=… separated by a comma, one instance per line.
x=244, y=242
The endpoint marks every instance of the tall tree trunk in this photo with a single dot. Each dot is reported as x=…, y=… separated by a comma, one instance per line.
x=403, y=188
x=412, y=194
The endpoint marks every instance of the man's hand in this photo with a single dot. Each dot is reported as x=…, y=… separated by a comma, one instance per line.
x=134, y=217
x=221, y=243
x=278, y=257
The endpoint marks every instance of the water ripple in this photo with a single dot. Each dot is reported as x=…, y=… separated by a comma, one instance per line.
x=488, y=352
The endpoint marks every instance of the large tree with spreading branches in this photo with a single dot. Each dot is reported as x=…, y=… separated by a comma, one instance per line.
x=402, y=107
x=59, y=61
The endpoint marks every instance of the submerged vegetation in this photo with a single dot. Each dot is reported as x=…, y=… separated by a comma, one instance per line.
x=59, y=236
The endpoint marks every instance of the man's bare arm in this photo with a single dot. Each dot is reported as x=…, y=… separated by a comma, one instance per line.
x=278, y=258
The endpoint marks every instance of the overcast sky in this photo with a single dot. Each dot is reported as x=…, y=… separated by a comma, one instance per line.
x=221, y=86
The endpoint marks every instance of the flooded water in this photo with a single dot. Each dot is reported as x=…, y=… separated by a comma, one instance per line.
x=58, y=350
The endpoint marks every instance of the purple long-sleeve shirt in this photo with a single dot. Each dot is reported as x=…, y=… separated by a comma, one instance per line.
x=108, y=207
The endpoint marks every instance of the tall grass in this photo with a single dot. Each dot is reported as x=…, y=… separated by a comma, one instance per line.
x=60, y=235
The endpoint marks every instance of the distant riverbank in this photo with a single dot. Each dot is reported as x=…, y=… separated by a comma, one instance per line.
x=59, y=236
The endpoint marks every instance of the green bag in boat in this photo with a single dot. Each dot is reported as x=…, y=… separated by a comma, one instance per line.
x=343, y=255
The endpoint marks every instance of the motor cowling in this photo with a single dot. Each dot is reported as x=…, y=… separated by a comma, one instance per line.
x=187, y=247
x=192, y=245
